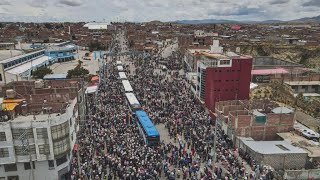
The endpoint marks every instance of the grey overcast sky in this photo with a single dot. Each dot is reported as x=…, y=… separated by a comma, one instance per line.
x=147, y=10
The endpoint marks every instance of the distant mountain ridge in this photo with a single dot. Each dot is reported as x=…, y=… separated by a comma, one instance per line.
x=315, y=19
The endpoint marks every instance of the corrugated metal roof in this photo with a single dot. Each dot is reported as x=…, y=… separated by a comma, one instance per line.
x=269, y=71
x=282, y=110
x=55, y=76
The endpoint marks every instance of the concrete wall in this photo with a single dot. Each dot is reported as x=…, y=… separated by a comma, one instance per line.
x=42, y=171
x=240, y=122
x=302, y=174
x=266, y=62
x=305, y=89
x=277, y=161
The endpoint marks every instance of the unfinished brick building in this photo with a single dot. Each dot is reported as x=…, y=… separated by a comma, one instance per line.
x=260, y=120
x=39, y=96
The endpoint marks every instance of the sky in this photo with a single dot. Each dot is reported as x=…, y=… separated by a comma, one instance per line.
x=148, y=10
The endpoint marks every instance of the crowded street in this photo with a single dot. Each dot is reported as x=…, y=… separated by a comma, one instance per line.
x=192, y=145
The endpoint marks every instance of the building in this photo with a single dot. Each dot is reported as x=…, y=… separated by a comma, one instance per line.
x=61, y=53
x=222, y=77
x=307, y=88
x=20, y=67
x=258, y=119
x=266, y=68
x=55, y=77
x=38, y=128
x=98, y=28
x=7, y=45
x=277, y=154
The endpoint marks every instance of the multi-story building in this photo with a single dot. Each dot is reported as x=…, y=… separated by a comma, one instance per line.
x=258, y=119
x=38, y=129
x=222, y=76
x=20, y=67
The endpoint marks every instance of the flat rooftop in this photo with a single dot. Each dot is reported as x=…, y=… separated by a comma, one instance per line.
x=269, y=71
x=20, y=56
x=28, y=65
x=6, y=54
x=58, y=48
x=302, y=83
x=38, y=117
x=309, y=146
x=271, y=147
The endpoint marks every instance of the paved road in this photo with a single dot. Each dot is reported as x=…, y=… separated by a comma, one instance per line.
x=167, y=51
x=62, y=68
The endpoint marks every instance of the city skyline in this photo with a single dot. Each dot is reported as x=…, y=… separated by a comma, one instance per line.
x=148, y=10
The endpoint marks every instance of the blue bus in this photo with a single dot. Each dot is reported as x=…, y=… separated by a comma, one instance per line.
x=148, y=131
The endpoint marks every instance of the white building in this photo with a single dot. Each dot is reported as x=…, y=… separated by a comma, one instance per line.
x=45, y=140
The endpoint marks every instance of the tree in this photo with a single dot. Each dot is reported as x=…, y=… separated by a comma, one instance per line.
x=40, y=72
x=78, y=71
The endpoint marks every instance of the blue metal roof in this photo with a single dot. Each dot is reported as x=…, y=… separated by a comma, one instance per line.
x=147, y=124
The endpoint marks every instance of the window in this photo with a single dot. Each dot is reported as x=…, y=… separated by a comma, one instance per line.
x=60, y=131
x=33, y=165
x=42, y=133
x=27, y=166
x=13, y=177
x=23, y=151
x=44, y=149
x=51, y=163
x=3, y=136
x=18, y=133
x=4, y=152
x=61, y=160
x=0, y=77
x=10, y=167
x=61, y=146
x=224, y=62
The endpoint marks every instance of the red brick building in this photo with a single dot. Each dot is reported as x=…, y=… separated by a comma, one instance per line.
x=223, y=77
x=260, y=119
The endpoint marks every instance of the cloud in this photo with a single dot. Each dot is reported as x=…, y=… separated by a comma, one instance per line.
x=312, y=3
x=71, y=2
x=278, y=2
x=245, y=11
x=163, y=10
x=38, y=3
x=231, y=11
x=4, y=2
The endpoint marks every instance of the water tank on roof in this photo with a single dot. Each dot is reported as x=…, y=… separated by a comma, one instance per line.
x=39, y=84
x=10, y=93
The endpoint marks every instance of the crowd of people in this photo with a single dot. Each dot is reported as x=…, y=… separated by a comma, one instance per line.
x=111, y=147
